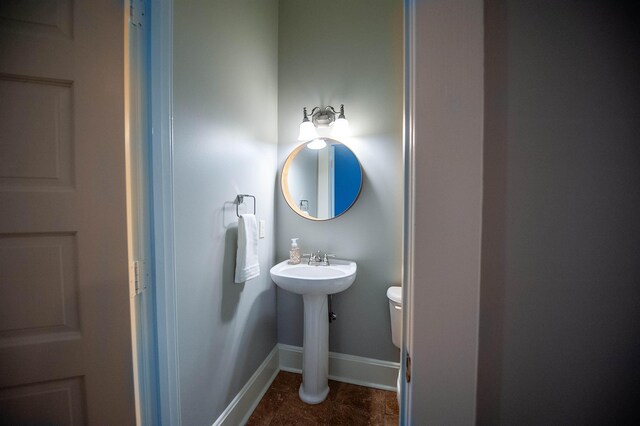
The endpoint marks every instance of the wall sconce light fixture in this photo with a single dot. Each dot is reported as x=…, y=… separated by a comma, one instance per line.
x=322, y=117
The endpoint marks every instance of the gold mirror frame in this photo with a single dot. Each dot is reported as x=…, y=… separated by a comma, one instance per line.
x=284, y=179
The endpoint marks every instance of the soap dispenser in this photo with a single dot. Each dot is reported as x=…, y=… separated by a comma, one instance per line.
x=294, y=253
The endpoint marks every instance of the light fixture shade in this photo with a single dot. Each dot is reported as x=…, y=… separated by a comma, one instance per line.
x=317, y=144
x=340, y=128
x=307, y=131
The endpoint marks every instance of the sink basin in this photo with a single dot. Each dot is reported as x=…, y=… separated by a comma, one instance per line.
x=314, y=279
x=314, y=283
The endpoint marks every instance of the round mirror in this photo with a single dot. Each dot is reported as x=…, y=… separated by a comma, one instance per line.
x=321, y=182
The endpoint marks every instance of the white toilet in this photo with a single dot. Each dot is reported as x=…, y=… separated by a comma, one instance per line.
x=395, y=311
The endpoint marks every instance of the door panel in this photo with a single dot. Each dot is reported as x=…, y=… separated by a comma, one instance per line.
x=39, y=286
x=41, y=155
x=59, y=402
x=65, y=333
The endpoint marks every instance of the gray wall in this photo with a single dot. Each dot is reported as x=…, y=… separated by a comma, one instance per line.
x=225, y=131
x=351, y=53
x=560, y=313
x=447, y=128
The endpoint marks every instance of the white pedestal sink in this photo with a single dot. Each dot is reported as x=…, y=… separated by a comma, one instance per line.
x=314, y=283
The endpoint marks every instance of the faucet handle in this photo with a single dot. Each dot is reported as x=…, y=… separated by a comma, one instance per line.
x=325, y=257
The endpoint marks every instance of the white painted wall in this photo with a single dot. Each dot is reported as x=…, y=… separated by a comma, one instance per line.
x=225, y=131
x=347, y=52
x=447, y=125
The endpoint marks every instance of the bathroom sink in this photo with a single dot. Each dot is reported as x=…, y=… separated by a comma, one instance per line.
x=314, y=283
x=314, y=279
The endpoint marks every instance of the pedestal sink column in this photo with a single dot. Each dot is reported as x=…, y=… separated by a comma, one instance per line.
x=314, y=283
x=315, y=351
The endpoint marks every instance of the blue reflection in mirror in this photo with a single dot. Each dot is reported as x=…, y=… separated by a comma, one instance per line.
x=347, y=177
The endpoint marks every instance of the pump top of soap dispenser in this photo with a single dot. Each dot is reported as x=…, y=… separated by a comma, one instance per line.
x=294, y=253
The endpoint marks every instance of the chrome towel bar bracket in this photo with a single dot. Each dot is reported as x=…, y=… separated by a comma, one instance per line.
x=240, y=200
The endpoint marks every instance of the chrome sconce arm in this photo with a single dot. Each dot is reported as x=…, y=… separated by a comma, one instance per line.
x=323, y=117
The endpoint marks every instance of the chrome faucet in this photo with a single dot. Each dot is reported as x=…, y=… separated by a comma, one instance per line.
x=319, y=258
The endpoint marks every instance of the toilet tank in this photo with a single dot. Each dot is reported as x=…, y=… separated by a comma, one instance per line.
x=394, y=294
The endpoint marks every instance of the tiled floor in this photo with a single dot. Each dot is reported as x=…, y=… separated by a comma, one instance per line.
x=346, y=405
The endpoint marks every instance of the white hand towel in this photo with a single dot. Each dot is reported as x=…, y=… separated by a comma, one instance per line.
x=247, y=266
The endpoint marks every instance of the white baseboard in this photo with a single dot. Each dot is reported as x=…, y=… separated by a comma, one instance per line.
x=357, y=370
x=241, y=407
x=373, y=373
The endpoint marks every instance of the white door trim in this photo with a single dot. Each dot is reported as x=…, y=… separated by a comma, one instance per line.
x=409, y=197
x=444, y=134
x=138, y=211
x=161, y=95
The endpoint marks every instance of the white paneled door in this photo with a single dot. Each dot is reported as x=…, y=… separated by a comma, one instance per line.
x=65, y=339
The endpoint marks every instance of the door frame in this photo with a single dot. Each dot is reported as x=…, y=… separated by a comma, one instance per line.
x=162, y=211
x=137, y=141
x=409, y=196
x=444, y=101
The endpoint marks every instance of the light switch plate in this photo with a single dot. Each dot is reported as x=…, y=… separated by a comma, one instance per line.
x=261, y=225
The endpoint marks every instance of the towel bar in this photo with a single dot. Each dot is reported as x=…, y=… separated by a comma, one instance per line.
x=240, y=200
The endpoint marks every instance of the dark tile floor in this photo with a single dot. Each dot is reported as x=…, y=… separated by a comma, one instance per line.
x=346, y=405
